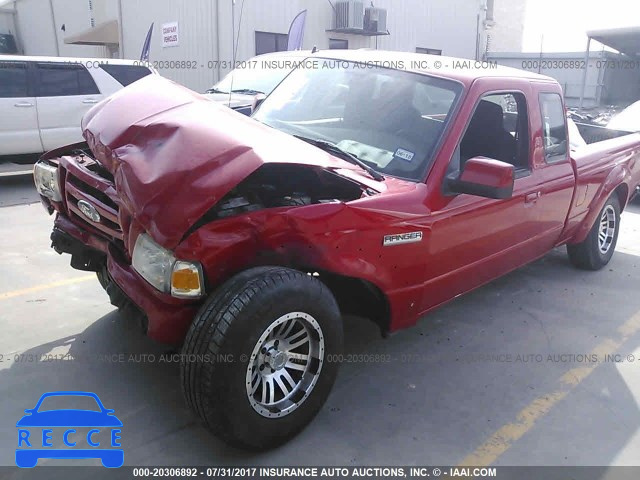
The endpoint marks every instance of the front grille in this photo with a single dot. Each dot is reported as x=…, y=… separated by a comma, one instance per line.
x=83, y=184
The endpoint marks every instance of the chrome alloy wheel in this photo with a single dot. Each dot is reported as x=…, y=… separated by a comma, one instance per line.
x=607, y=229
x=285, y=365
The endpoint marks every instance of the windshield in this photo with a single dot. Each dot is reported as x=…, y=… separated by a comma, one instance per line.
x=257, y=77
x=390, y=119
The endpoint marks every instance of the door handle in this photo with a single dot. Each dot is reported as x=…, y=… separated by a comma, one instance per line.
x=90, y=101
x=23, y=105
x=532, y=197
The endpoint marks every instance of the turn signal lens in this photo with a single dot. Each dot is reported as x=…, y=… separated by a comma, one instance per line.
x=186, y=280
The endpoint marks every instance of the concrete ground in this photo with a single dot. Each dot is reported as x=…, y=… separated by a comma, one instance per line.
x=515, y=373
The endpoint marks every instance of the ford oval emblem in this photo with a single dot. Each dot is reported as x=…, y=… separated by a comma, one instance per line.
x=88, y=210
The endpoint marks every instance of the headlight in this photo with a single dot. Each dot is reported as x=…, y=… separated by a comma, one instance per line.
x=47, y=182
x=160, y=268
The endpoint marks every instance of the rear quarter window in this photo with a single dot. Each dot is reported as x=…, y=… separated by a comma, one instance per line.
x=126, y=74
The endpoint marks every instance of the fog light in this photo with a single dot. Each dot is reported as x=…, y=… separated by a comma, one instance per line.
x=186, y=280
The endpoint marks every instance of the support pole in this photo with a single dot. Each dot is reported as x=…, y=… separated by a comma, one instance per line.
x=120, y=30
x=55, y=27
x=584, y=74
x=218, y=74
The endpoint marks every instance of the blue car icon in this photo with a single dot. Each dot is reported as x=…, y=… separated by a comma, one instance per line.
x=28, y=456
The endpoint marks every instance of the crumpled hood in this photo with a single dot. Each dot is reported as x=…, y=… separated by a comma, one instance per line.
x=174, y=154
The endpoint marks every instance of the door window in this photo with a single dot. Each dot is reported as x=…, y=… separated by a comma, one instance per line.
x=267, y=42
x=8, y=44
x=13, y=80
x=554, y=127
x=338, y=44
x=61, y=80
x=499, y=129
x=429, y=51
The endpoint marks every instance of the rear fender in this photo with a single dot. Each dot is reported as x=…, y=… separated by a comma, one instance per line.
x=617, y=177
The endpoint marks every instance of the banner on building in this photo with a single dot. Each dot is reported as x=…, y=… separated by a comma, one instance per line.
x=296, y=31
x=146, y=48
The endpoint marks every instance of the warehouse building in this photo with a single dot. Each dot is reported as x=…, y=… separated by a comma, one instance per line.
x=195, y=41
x=590, y=78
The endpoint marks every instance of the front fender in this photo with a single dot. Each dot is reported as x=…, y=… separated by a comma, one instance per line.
x=617, y=177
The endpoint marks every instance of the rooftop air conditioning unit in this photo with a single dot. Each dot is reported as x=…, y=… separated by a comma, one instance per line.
x=375, y=20
x=350, y=15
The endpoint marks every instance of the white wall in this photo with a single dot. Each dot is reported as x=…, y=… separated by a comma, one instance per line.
x=507, y=33
x=38, y=36
x=197, y=20
x=448, y=25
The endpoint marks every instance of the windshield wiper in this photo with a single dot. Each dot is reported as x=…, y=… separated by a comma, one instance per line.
x=351, y=158
x=247, y=91
x=215, y=90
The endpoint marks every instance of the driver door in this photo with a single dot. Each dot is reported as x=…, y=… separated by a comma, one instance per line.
x=477, y=239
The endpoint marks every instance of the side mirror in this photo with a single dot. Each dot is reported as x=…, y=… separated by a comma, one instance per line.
x=257, y=101
x=484, y=177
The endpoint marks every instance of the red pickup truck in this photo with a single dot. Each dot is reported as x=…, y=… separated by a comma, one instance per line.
x=366, y=183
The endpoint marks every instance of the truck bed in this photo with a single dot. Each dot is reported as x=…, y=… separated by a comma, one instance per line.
x=592, y=165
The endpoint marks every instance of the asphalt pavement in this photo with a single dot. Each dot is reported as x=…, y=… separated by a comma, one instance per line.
x=540, y=367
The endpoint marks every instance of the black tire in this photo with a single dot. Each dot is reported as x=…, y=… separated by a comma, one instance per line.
x=588, y=254
x=228, y=328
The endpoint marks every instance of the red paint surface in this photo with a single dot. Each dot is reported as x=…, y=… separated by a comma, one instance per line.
x=174, y=154
x=489, y=172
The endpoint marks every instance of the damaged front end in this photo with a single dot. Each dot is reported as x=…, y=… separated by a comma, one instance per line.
x=162, y=162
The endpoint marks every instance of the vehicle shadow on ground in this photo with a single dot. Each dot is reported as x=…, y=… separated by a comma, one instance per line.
x=18, y=190
x=423, y=396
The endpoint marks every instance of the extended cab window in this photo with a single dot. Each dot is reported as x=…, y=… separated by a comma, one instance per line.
x=13, y=80
x=498, y=129
x=61, y=80
x=554, y=127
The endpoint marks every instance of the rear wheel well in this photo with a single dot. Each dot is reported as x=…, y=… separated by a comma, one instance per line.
x=358, y=297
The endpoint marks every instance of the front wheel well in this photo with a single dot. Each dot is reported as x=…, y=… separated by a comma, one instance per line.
x=358, y=297
x=622, y=193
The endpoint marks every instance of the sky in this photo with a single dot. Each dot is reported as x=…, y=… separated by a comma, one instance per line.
x=564, y=23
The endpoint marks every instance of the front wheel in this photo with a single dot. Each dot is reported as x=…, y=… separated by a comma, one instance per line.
x=254, y=364
x=597, y=249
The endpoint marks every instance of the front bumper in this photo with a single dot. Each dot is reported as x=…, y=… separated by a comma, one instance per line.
x=168, y=318
x=106, y=241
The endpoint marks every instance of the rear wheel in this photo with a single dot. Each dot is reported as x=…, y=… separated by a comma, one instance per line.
x=598, y=248
x=254, y=364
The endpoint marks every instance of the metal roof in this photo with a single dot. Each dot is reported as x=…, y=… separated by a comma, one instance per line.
x=106, y=33
x=625, y=40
